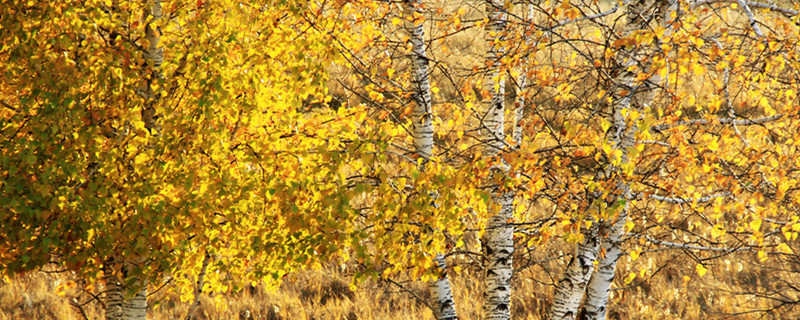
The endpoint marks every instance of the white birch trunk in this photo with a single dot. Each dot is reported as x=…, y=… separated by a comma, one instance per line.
x=522, y=82
x=499, y=249
x=114, y=293
x=422, y=116
x=135, y=308
x=569, y=291
x=627, y=94
x=442, y=293
x=198, y=290
x=117, y=305
x=498, y=246
x=156, y=55
x=596, y=304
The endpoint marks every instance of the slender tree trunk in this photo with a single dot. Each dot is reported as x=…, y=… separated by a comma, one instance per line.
x=117, y=306
x=422, y=115
x=569, y=291
x=522, y=84
x=627, y=94
x=198, y=290
x=114, y=292
x=498, y=244
x=135, y=308
x=442, y=293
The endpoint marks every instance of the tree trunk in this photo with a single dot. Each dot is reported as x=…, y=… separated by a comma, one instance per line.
x=498, y=244
x=442, y=294
x=135, y=308
x=522, y=85
x=627, y=94
x=569, y=291
x=117, y=306
x=422, y=114
x=114, y=293
x=422, y=121
x=198, y=290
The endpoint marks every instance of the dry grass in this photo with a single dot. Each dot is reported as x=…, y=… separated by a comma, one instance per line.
x=663, y=293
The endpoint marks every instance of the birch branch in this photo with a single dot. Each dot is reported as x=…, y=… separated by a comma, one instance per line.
x=751, y=4
x=740, y=122
x=687, y=246
x=679, y=200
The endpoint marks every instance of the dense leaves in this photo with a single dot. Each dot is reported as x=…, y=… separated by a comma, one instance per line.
x=275, y=136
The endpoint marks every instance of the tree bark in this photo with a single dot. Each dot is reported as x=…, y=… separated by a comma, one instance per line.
x=498, y=244
x=422, y=121
x=627, y=94
x=569, y=291
x=114, y=294
x=135, y=308
x=117, y=305
x=198, y=290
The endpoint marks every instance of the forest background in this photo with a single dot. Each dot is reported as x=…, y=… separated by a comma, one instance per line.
x=399, y=159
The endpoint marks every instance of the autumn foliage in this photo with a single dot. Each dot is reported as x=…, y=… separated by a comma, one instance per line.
x=211, y=146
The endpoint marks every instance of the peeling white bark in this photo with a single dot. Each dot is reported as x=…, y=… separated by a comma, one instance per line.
x=494, y=107
x=628, y=94
x=498, y=244
x=442, y=293
x=422, y=113
x=422, y=116
x=569, y=291
x=135, y=308
x=114, y=294
x=198, y=289
x=118, y=306
x=499, y=249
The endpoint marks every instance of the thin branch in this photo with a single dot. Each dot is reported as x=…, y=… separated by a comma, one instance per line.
x=663, y=144
x=687, y=246
x=416, y=296
x=7, y=106
x=752, y=4
x=694, y=122
x=678, y=200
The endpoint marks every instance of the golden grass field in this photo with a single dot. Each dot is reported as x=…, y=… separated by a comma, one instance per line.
x=670, y=289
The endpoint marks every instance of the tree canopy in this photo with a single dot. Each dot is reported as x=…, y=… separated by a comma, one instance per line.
x=230, y=143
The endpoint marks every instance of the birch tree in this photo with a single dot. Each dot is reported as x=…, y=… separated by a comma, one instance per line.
x=422, y=124
x=627, y=100
x=120, y=158
x=498, y=246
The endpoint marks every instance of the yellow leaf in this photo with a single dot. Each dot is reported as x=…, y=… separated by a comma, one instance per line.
x=630, y=277
x=635, y=255
x=701, y=270
x=713, y=145
x=755, y=225
x=140, y=159
x=717, y=231
x=629, y=226
x=784, y=248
